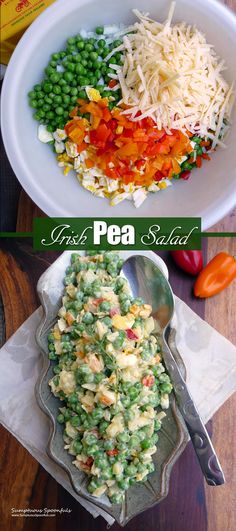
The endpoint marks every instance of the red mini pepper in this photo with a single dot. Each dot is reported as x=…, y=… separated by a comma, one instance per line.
x=216, y=276
x=189, y=261
x=112, y=452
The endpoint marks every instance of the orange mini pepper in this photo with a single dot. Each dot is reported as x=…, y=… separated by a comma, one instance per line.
x=216, y=276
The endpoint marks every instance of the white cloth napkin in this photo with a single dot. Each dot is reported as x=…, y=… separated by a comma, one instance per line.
x=210, y=360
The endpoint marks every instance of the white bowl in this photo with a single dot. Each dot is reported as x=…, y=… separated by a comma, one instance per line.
x=210, y=193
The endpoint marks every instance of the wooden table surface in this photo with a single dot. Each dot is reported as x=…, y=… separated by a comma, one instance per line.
x=191, y=505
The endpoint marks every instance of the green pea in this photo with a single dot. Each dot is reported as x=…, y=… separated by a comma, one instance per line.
x=154, y=438
x=32, y=94
x=77, y=447
x=134, y=441
x=33, y=104
x=90, y=439
x=65, y=89
x=117, y=43
x=166, y=388
x=80, y=45
x=123, y=437
x=48, y=100
x=57, y=89
x=186, y=166
x=71, y=40
x=84, y=62
x=117, y=497
x=164, y=378
x=54, y=78
x=146, y=443
x=131, y=470
x=88, y=47
x=196, y=139
x=133, y=393
x=99, y=30
x=125, y=306
x=76, y=58
x=98, y=377
x=71, y=67
x=101, y=462
x=93, y=56
x=101, y=43
x=79, y=69
x=55, y=56
x=103, y=426
x=105, y=52
x=66, y=99
x=84, y=81
x=52, y=356
x=56, y=370
x=74, y=91
x=105, y=306
x=107, y=321
x=150, y=467
x=106, y=474
x=37, y=88
x=47, y=87
x=118, y=343
x=97, y=413
x=95, y=64
x=92, y=266
x=71, y=49
x=108, y=444
x=119, y=57
x=112, y=61
x=85, y=54
x=68, y=77
x=59, y=111
x=88, y=318
x=124, y=483
x=62, y=82
x=60, y=418
x=126, y=402
x=57, y=100
x=75, y=421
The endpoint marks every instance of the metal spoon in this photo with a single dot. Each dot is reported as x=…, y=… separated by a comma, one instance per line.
x=147, y=281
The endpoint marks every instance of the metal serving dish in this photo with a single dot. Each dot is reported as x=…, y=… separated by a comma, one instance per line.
x=173, y=436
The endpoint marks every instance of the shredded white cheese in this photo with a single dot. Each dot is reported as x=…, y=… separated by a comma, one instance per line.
x=174, y=76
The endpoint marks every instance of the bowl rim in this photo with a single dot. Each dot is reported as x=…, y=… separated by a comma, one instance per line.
x=42, y=380
x=210, y=216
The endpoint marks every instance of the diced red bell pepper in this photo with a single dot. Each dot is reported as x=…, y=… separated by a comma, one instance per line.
x=112, y=452
x=148, y=380
x=185, y=175
x=131, y=334
x=158, y=176
x=114, y=311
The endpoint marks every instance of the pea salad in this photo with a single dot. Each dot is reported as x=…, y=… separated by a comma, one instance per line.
x=132, y=109
x=108, y=376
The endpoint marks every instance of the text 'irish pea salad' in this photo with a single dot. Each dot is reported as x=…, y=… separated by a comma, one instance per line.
x=131, y=109
x=108, y=375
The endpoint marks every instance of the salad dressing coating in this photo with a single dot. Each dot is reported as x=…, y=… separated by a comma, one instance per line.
x=109, y=375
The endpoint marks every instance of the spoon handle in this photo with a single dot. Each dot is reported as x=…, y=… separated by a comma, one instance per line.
x=202, y=444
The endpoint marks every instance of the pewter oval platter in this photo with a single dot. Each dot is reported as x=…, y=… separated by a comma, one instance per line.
x=173, y=435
